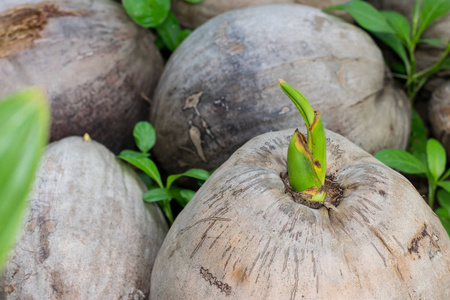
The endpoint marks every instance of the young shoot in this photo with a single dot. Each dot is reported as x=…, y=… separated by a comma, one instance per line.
x=306, y=159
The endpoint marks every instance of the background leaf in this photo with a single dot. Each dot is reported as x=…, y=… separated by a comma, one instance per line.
x=444, y=199
x=400, y=25
x=132, y=153
x=169, y=31
x=182, y=196
x=146, y=165
x=193, y=173
x=418, y=138
x=156, y=194
x=394, y=42
x=437, y=158
x=182, y=35
x=430, y=11
x=193, y=1
x=401, y=160
x=147, y=13
x=433, y=42
x=24, y=126
x=445, y=185
x=144, y=136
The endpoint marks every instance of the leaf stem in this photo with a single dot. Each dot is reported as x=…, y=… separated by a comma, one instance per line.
x=431, y=191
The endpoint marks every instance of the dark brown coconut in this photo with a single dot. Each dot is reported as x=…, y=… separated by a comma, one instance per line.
x=220, y=87
x=88, y=234
x=89, y=56
x=439, y=114
x=193, y=15
x=243, y=237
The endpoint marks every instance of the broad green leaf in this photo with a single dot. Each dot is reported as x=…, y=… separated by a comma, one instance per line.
x=169, y=31
x=182, y=35
x=366, y=15
x=445, y=185
x=444, y=199
x=436, y=158
x=132, y=153
x=193, y=173
x=400, y=25
x=156, y=194
x=147, y=13
x=430, y=11
x=193, y=1
x=418, y=138
x=433, y=42
x=146, y=165
x=24, y=126
x=182, y=196
x=144, y=136
x=444, y=217
x=395, y=43
x=401, y=160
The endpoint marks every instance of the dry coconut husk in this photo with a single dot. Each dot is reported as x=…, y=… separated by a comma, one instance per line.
x=242, y=236
x=192, y=15
x=93, y=61
x=220, y=87
x=439, y=114
x=88, y=234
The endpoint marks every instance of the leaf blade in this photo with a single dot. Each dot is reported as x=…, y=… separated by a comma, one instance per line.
x=436, y=157
x=146, y=165
x=147, y=13
x=401, y=161
x=144, y=136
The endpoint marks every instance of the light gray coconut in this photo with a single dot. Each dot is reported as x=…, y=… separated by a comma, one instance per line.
x=439, y=114
x=242, y=236
x=88, y=234
x=220, y=87
x=92, y=60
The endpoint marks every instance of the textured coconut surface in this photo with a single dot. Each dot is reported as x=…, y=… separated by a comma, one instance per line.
x=89, y=56
x=243, y=237
x=220, y=87
x=87, y=234
x=439, y=114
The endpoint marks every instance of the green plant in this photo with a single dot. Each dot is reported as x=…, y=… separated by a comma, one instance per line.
x=156, y=14
x=395, y=31
x=145, y=137
x=306, y=159
x=24, y=127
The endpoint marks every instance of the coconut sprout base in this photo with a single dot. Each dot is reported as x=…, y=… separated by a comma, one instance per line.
x=332, y=188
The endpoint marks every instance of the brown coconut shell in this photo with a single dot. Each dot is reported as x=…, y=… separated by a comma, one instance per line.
x=192, y=15
x=243, y=237
x=93, y=61
x=220, y=87
x=439, y=114
x=88, y=234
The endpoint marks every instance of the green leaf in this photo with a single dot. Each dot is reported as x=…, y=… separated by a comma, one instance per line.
x=416, y=17
x=156, y=194
x=430, y=11
x=444, y=217
x=401, y=161
x=366, y=15
x=400, y=25
x=24, y=126
x=147, y=13
x=446, y=64
x=146, y=165
x=394, y=42
x=132, y=153
x=436, y=158
x=433, y=42
x=445, y=185
x=443, y=197
x=193, y=1
x=182, y=35
x=193, y=173
x=169, y=31
x=418, y=138
x=144, y=136
x=299, y=101
x=182, y=196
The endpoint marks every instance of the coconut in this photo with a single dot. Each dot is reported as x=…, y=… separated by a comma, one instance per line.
x=93, y=61
x=439, y=114
x=88, y=234
x=192, y=15
x=219, y=88
x=243, y=235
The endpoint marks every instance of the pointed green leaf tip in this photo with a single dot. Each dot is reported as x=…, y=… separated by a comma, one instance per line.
x=306, y=157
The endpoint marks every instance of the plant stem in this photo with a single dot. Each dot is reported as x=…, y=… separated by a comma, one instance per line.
x=431, y=191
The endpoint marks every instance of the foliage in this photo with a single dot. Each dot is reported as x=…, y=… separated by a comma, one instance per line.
x=306, y=159
x=145, y=137
x=156, y=14
x=24, y=126
x=395, y=31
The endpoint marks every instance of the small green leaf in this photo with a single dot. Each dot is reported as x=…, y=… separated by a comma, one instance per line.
x=436, y=158
x=144, y=136
x=394, y=42
x=400, y=25
x=433, y=42
x=193, y=1
x=182, y=196
x=132, y=153
x=24, y=127
x=193, y=173
x=418, y=138
x=146, y=165
x=182, y=35
x=147, y=13
x=299, y=101
x=445, y=185
x=169, y=31
x=366, y=15
x=416, y=17
x=401, y=161
x=430, y=11
x=156, y=194
x=443, y=197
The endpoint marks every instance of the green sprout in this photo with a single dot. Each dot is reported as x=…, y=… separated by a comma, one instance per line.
x=307, y=157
